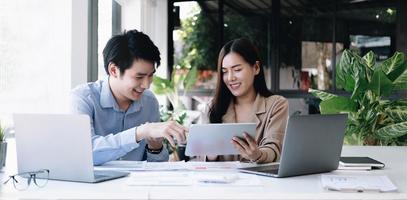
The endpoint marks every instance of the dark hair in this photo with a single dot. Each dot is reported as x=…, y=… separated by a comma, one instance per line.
x=132, y=45
x=223, y=96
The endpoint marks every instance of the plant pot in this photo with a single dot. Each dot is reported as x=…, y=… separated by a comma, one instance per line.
x=3, y=153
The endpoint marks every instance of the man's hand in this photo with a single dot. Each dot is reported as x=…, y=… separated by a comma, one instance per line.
x=155, y=143
x=169, y=130
x=247, y=147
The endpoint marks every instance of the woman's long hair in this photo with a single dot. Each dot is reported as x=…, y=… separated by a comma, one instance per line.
x=223, y=96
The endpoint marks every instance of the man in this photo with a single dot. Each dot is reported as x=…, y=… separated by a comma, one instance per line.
x=124, y=113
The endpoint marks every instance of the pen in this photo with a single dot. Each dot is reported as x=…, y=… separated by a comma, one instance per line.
x=357, y=189
x=214, y=181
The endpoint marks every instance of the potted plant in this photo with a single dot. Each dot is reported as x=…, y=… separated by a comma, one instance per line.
x=181, y=79
x=3, y=147
x=373, y=118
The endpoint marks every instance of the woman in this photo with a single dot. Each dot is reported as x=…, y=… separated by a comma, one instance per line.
x=242, y=96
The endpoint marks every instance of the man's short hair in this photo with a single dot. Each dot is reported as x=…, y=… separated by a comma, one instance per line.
x=132, y=45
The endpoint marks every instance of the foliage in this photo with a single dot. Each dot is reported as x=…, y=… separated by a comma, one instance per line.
x=184, y=80
x=200, y=42
x=180, y=79
x=371, y=119
x=2, y=133
x=200, y=35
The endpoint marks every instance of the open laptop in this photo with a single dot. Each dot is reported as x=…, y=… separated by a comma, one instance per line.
x=312, y=144
x=60, y=143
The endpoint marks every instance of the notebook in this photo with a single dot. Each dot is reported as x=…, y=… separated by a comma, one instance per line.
x=349, y=162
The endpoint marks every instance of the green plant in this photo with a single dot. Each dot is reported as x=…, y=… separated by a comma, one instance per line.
x=200, y=36
x=181, y=79
x=2, y=133
x=371, y=119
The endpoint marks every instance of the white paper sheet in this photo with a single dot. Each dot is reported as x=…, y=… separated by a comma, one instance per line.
x=187, y=178
x=365, y=183
x=168, y=166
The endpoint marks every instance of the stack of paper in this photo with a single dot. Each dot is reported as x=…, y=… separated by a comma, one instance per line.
x=349, y=183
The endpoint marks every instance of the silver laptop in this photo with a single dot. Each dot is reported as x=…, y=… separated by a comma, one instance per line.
x=60, y=143
x=312, y=144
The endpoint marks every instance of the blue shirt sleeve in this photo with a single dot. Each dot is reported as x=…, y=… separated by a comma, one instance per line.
x=109, y=147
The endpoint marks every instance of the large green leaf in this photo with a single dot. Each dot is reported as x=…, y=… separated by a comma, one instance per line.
x=177, y=79
x=344, y=71
x=398, y=115
x=400, y=102
x=322, y=95
x=337, y=104
x=401, y=81
x=360, y=81
x=392, y=131
x=380, y=84
x=340, y=79
x=393, y=62
x=396, y=73
x=190, y=79
x=162, y=86
x=370, y=59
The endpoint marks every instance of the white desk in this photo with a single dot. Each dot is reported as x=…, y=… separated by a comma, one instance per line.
x=301, y=187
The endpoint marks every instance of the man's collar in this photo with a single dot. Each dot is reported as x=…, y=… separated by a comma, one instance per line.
x=107, y=99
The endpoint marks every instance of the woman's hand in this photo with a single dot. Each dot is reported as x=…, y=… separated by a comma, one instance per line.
x=247, y=147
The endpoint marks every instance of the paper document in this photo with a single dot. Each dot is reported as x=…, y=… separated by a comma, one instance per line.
x=121, y=165
x=164, y=166
x=186, y=178
x=161, y=178
x=208, y=166
x=359, y=183
x=167, y=166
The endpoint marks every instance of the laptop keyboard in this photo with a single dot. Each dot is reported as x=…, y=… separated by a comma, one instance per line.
x=270, y=169
x=100, y=176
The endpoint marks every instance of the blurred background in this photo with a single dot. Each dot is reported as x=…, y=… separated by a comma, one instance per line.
x=48, y=47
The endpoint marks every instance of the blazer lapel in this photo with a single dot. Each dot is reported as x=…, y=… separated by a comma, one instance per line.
x=259, y=108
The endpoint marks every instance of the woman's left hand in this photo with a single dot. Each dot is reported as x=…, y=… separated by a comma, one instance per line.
x=247, y=147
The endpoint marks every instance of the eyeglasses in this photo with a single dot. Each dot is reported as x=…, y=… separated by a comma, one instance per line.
x=21, y=181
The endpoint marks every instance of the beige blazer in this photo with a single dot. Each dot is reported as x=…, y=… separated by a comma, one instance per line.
x=271, y=115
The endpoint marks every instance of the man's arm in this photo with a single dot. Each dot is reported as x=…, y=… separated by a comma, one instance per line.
x=105, y=148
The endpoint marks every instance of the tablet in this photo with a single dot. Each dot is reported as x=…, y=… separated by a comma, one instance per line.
x=214, y=139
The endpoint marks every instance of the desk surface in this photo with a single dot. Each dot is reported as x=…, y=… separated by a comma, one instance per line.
x=301, y=187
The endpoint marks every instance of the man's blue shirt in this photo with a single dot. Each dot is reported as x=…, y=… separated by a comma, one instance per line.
x=113, y=129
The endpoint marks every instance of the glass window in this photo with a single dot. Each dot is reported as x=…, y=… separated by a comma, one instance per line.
x=250, y=20
x=364, y=27
x=195, y=39
x=35, y=56
x=104, y=32
x=306, y=46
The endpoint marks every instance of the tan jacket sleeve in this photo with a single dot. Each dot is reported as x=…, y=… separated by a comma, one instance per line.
x=275, y=123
